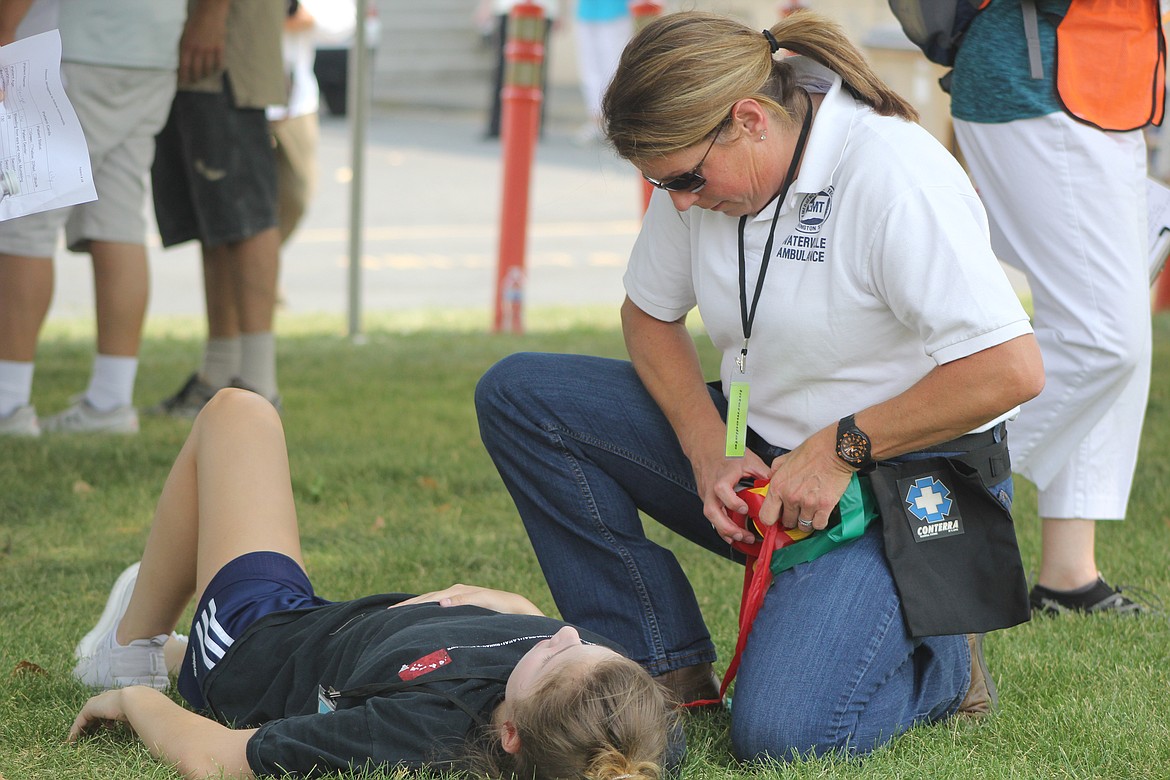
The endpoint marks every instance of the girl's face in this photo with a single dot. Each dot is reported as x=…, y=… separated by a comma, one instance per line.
x=561, y=650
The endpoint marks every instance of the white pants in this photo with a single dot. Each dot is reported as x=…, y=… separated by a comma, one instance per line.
x=599, y=47
x=1067, y=206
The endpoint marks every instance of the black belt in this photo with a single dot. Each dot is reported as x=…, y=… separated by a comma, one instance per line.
x=986, y=451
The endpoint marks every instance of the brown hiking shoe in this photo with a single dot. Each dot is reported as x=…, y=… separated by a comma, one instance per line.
x=982, y=698
x=691, y=683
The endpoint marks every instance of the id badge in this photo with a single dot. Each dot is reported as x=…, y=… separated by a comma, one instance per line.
x=325, y=702
x=737, y=416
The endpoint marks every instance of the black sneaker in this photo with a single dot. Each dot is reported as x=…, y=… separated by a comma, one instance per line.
x=1098, y=597
x=186, y=403
x=240, y=384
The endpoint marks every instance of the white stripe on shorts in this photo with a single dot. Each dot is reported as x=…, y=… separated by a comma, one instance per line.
x=211, y=648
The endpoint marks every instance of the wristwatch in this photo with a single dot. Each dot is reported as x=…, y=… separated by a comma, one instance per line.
x=853, y=446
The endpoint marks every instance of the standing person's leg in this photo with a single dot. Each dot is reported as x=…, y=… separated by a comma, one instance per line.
x=121, y=290
x=26, y=289
x=257, y=270
x=121, y=110
x=296, y=169
x=175, y=182
x=581, y=447
x=1086, y=266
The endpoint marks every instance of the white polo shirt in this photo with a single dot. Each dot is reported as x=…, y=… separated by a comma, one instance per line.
x=881, y=269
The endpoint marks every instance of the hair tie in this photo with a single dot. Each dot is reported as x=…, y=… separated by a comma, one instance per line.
x=772, y=42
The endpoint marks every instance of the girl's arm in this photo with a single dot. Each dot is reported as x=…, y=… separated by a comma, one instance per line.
x=197, y=746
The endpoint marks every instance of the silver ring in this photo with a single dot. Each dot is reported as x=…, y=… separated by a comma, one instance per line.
x=803, y=523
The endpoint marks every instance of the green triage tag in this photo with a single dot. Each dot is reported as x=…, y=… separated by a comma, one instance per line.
x=737, y=415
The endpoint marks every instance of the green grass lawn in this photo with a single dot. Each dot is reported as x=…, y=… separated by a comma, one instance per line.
x=395, y=492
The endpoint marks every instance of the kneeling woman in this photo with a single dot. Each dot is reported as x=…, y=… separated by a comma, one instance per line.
x=460, y=677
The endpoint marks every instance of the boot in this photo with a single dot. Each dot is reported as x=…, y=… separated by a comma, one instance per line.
x=690, y=683
x=982, y=698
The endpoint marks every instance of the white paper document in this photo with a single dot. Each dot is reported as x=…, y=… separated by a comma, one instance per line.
x=44, y=160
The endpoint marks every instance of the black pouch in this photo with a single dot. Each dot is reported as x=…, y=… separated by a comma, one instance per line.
x=951, y=546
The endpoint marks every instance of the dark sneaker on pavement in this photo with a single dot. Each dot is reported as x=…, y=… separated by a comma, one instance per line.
x=1097, y=597
x=186, y=403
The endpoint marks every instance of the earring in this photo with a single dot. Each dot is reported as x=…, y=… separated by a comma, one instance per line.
x=763, y=136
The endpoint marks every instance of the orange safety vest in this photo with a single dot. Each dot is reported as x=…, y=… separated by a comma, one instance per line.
x=1111, y=63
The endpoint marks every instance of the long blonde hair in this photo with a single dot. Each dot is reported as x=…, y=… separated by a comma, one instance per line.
x=680, y=76
x=609, y=722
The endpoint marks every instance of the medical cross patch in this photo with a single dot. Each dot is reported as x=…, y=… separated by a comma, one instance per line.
x=931, y=509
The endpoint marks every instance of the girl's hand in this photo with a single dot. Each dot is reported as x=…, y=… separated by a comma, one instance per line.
x=101, y=710
x=496, y=600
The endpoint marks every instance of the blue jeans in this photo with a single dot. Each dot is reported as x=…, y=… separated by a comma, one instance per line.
x=582, y=447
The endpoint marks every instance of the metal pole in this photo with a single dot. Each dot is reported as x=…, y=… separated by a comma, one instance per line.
x=357, y=98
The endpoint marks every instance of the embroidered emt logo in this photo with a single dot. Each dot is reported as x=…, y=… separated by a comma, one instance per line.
x=814, y=211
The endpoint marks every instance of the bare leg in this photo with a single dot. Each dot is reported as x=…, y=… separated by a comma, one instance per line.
x=229, y=493
x=219, y=291
x=256, y=267
x=121, y=290
x=240, y=284
x=1068, y=558
x=26, y=289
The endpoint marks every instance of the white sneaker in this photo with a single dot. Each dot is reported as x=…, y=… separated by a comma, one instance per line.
x=103, y=663
x=116, y=604
x=81, y=417
x=22, y=422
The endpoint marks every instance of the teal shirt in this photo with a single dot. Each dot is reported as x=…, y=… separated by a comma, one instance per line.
x=991, y=82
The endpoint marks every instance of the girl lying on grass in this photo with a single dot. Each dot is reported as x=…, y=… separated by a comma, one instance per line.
x=285, y=682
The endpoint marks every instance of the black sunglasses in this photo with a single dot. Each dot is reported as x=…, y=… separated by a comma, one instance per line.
x=692, y=180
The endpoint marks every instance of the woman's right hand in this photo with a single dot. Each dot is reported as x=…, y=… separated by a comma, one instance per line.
x=717, y=477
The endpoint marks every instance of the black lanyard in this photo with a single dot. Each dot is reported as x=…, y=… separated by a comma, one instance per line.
x=748, y=317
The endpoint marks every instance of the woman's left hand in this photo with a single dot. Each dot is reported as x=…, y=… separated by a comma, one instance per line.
x=806, y=484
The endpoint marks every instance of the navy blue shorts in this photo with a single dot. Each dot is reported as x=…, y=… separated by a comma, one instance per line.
x=243, y=591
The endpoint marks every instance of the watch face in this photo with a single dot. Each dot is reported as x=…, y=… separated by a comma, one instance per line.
x=853, y=447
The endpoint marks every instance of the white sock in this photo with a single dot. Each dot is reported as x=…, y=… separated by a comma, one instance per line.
x=15, y=385
x=111, y=383
x=258, y=362
x=221, y=362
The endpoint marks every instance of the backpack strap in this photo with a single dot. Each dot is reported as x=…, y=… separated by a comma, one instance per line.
x=1032, y=34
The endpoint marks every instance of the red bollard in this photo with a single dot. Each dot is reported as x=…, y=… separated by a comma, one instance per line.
x=1162, y=291
x=519, y=124
x=643, y=13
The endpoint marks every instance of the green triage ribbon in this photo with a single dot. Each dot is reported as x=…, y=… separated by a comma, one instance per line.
x=858, y=509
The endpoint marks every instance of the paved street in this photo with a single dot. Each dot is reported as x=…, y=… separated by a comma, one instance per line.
x=432, y=212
